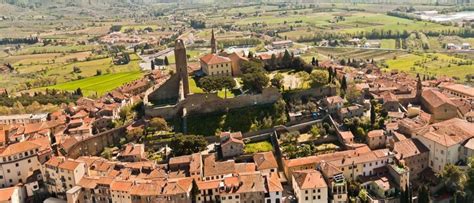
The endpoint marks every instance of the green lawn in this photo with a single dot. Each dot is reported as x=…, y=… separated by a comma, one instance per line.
x=193, y=88
x=99, y=84
x=263, y=146
x=432, y=64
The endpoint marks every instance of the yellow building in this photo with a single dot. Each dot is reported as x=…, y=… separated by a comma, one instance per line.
x=213, y=64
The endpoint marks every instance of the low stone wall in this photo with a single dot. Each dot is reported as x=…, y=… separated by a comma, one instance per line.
x=317, y=92
x=209, y=103
x=95, y=144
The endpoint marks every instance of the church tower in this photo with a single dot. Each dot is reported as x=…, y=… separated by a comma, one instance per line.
x=213, y=43
x=182, y=64
x=419, y=87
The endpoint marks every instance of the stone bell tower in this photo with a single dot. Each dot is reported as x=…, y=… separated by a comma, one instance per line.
x=213, y=43
x=182, y=64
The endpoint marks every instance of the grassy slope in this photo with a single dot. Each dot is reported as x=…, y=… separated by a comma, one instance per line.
x=99, y=84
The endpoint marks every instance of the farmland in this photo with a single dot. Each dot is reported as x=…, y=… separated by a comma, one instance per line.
x=432, y=65
x=98, y=85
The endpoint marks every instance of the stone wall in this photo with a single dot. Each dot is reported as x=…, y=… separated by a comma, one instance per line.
x=208, y=103
x=317, y=92
x=169, y=90
x=95, y=144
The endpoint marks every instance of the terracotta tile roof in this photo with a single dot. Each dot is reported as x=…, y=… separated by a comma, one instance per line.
x=375, y=133
x=244, y=167
x=213, y=168
x=214, y=59
x=228, y=137
x=19, y=148
x=178, y=186
x=408, y=148
x=122, y=186
x=251, y=182
x=333, y=100
x=460, y=88
x=88, y=182
x=329, y=170
x=180, y=160
x=265, y=160
x=273, y=183
x=133, y=150
x=196, y=162
x=435, y=98
x=309, y=179
x=205, y=185
x=153, y=188
x=70, y=165
x=449, y=132
x=69, y=142
x=6, y=194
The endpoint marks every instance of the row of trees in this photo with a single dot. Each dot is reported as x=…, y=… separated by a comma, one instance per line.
x=28, y=40
x=49, y=97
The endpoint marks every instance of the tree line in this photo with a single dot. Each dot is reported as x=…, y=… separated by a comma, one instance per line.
x=27, y=40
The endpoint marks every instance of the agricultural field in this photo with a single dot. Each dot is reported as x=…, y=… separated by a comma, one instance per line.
x=433, y=65
x=98, y=85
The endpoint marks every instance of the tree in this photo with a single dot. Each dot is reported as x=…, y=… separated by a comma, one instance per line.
x=158, y=124
x=273, y=62
x=353, y=94
x=79, y=92
x=286, y=60
x=252, y=66
x=373, y=116
x=210, y=83
x=470, y=180
x=250, y=55
x=297, y=64
x=98, y=72
x=152, y=65
x=315, y=132
x=255, y=82
x=187, y=144
x=364, y=195
x=424, y=195
x=107, y=153
x=134, y=134
x=166, y=61
x=228, y=83
x=318, y=78
x=308, y=68
x=277, y=80
x=453, y=179
x=343, y=84
x=330, y=74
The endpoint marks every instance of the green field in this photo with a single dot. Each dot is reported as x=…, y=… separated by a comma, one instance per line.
x=263, y=146
x=432, y=65
x=99, y=84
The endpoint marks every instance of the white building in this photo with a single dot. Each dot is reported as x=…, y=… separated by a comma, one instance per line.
x=23, y=118
x=62, y=174
x=13, y=195
x=445, y=141
x=274, y=188
x=17, y=162
x=309, y=186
